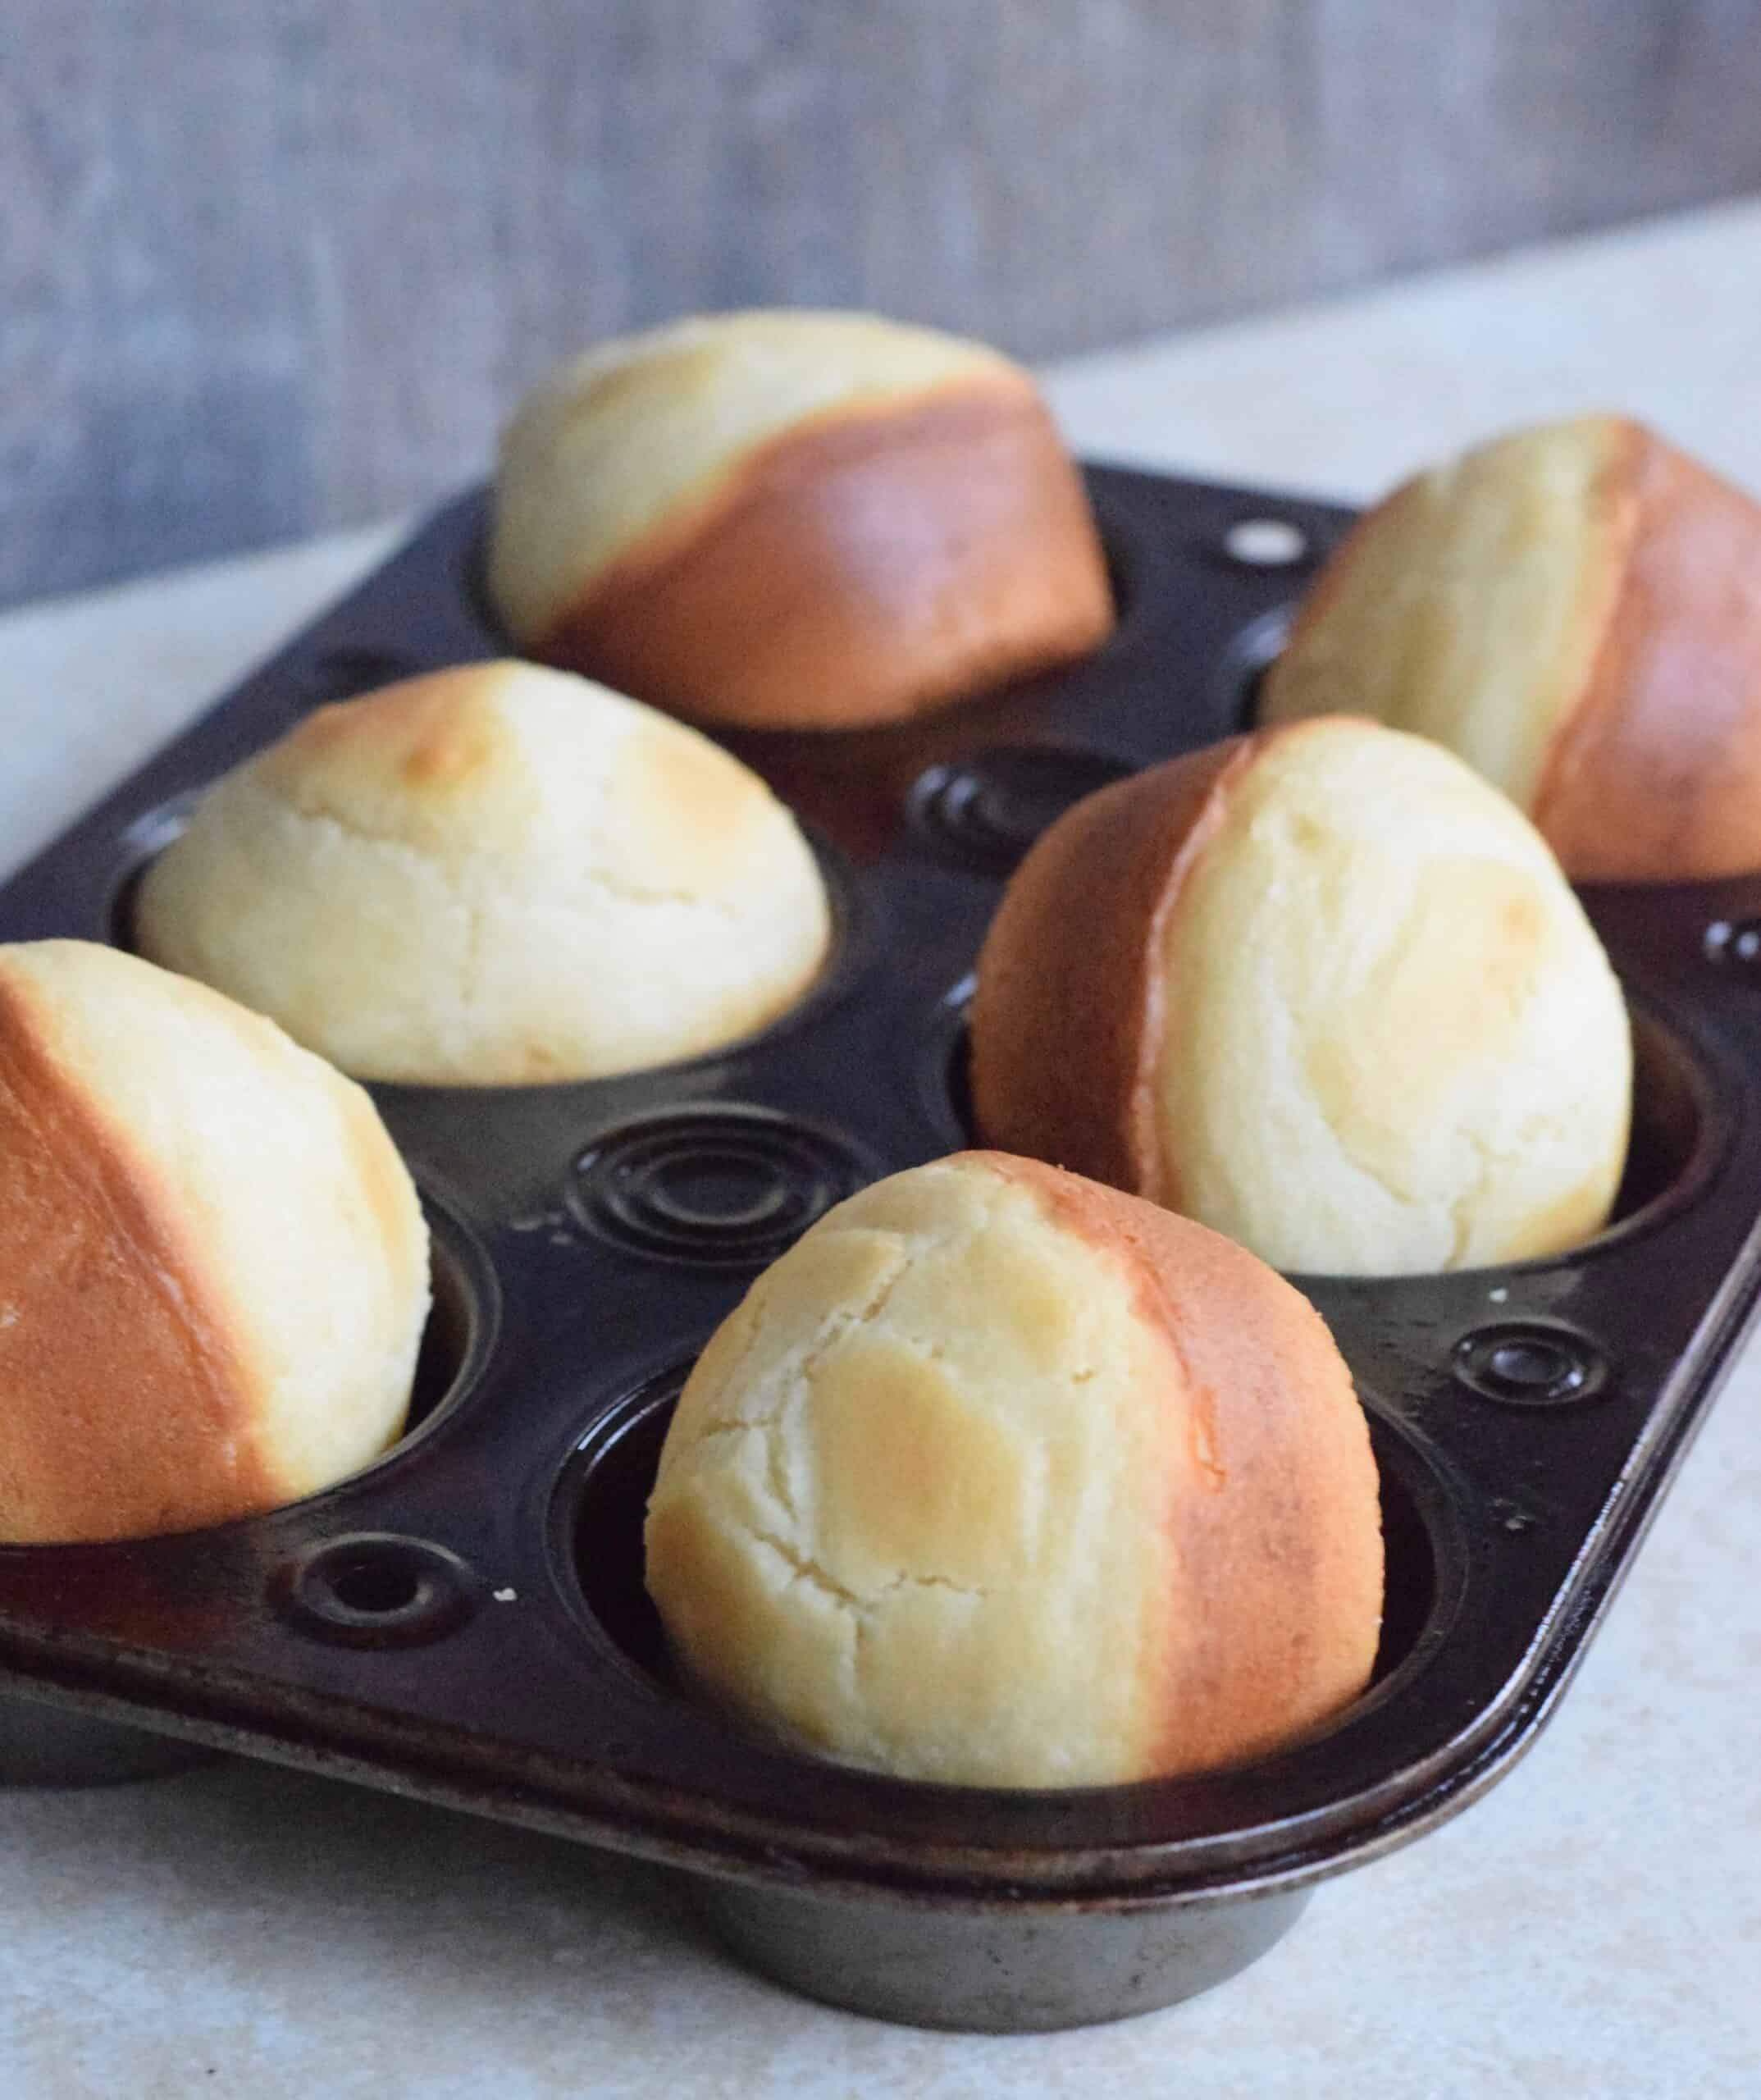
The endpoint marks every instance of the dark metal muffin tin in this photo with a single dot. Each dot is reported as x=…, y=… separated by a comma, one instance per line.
x=466, y=1620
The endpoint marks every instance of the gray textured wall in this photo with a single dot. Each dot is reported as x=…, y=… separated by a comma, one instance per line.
x=266, y=267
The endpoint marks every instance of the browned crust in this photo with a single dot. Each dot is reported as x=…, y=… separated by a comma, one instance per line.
x=1067, y=1021
x=431, y=733
x=1274, y=1532
x=124, y=1410
x=1655, y=773
x=861, y=568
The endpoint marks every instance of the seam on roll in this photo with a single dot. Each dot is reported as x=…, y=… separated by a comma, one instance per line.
x=808, y=1570
x=830, y=1335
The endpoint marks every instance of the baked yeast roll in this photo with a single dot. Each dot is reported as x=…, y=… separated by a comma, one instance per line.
x=1576, y=610
x=1001, y=1478
x=213, y=1266
x=1323, y=989
x=795, y=519
x=494, y=875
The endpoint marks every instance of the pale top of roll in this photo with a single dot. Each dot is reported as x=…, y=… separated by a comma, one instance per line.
x=1472, y=600
x=213, y=1264
x=493, y=875
x=1393, y=1041
x=620, y=437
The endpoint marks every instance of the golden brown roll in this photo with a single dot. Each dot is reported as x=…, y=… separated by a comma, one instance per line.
x=493, y=875
x=213, y=1265
x=1576, y=610
x=795, y=519
x=1322, y=988
x=1003, y=1478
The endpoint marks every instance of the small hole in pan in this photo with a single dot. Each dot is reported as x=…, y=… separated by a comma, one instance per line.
x=1674, y=1146
x=375, y=1586
x=376, y=1590
x=1530, y=1363
x=1266, y=543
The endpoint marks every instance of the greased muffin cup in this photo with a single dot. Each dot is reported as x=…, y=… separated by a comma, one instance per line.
x=466, y=1619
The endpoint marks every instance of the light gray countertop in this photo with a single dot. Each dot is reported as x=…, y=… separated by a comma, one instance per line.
x=1592, y=1928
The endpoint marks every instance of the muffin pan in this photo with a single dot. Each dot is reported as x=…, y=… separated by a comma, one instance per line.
x=466, y=1620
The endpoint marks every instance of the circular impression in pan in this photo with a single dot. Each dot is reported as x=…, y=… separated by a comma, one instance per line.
x=1677, y=1136
x=985, y=812
x=602, y=1497
x=715, y=1185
